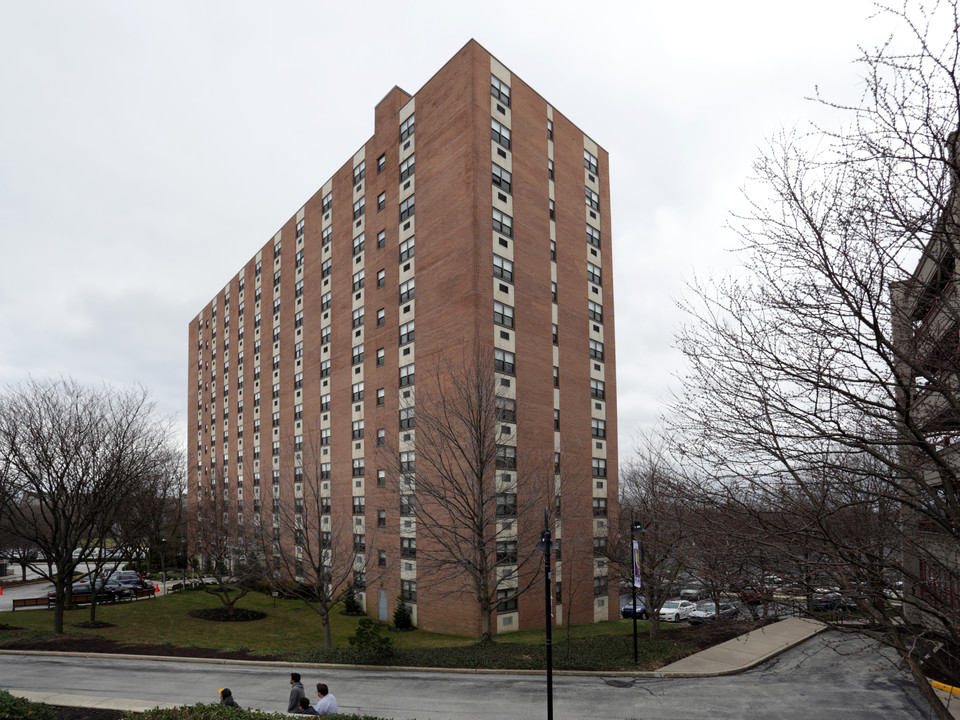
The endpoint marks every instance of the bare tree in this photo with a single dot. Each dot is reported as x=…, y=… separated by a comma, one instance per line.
x=814, y=385
x=311, y=550
x=652, y=493
x=69, y=457
x=478, y=499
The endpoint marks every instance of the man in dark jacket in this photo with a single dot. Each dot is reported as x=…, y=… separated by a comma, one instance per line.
x=296, y=692
x=306, y=708
x=226, y=698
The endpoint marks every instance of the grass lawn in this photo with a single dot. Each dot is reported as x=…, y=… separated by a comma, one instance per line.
x=294, y=631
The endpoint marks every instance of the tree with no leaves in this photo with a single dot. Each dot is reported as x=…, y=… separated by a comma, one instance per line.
x=799, y=388
x=69, y=458
x=478, y=499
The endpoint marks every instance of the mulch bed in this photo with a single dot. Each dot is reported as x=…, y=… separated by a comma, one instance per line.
x=69, y=713
x=102, y=645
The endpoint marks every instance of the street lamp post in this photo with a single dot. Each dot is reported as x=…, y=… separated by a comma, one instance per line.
x=545, y=545
x=635, y=527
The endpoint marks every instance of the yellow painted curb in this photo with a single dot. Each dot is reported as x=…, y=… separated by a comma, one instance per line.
x=946, y=688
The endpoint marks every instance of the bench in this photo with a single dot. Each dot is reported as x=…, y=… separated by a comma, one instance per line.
x=174, y=587
x=30, y=602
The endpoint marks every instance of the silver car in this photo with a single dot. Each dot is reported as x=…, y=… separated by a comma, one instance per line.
x=676, y=610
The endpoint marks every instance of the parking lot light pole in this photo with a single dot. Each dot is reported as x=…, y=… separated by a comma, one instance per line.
x=545, y=545
x=635, y=528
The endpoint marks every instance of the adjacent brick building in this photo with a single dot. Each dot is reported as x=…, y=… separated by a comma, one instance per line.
x=495, y=208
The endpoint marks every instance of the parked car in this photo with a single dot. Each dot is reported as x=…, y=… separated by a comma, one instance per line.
x=712, y=611
x=107, y=591
x=694, y=593
x=131, y=579
x=639, y=610
x=676, y=610
x=753, y=594
x=831, y=602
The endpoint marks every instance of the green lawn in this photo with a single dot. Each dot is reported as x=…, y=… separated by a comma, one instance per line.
x=295, y=631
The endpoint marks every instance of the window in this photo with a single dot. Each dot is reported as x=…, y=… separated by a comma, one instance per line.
x=408, y=588
x=406, y=168
x=408, y=548
x=589, y=161
x=326, y=235
x=298, y=291
x=406, y=290
x=596, y=389
x=300, y=258
x=507, y=600
x=327, y=202
x=381, y=278
x=325, y=402
x=381, y=163
x=503, y=361
x=593, y=274
x=358, y=243
x=276, y=278
x=549, y=129
x=406, y=333
x=358, y=354
x=600, y=470
x=358, y=317
x=325, y=269
x=276, y=419
x=406, y=208
x=382, y=557
x=501, y=178
x=256, y=399
x=598, y=428
x=359, y=171
x=358, y=280
x=408, y=461
x=408, y=505
x=256, y=320
x=381, y=320
x=556, y=376
x=506, y=505
x=381, y=478
x=502, y=314
x=382, y=520
x=406, y=128
x=381, y=437
x=506, y=457
x=381, y=354
x=499, y=134
x=358, y=467
x=502, y=223
x=359, y=207
x=259, y=267
x=381, y=396
x=503, y=268
x=357, y=393
x=553, y=292
x=359, y=539
x=593, y=200
x=556, y=334
x=325, y=332
x=406, y=249
x=595, y=311
x=506, y=409
x=596, y=350
x=553, y=251
x=507, y=552
x=298, y=412
x=406, y=375
x=500, y=90
x=324, y=368
x=406, y=418
x=550, y=169
x=298, y=381
x=325, y=436
x=593, y=236
x=325, y=300
x=599, y=586
x=556, y=419
x=381, y=201
x=553, y=209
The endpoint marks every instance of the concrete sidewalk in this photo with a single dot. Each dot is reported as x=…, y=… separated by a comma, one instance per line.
x=746, y=651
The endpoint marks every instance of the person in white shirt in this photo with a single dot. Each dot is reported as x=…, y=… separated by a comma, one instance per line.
x=327, y=702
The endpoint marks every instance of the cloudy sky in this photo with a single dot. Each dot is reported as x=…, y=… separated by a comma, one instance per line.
x=148, y=150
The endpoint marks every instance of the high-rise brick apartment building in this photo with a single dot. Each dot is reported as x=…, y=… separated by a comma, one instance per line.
x=476, y=220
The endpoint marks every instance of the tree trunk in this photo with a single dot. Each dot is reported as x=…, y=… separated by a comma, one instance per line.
x=485, y=634
x=327, y=635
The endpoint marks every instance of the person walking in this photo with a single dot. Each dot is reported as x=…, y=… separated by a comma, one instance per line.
x=296, y=692
x=327, y=702
x=226, y=698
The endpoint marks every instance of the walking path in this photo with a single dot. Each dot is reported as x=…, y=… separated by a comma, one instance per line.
x=731, y=657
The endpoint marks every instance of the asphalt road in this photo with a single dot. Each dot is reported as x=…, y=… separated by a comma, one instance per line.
x=830, y=676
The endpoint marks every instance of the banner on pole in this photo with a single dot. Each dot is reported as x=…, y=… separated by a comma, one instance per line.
x=636, y=564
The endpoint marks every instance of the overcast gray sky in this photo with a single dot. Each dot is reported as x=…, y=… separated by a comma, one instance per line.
x=148, y=150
